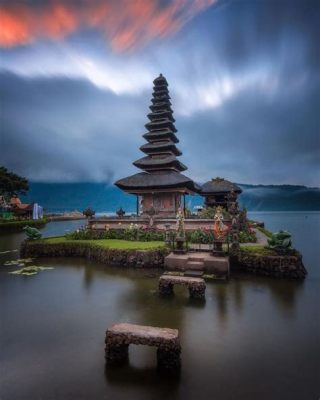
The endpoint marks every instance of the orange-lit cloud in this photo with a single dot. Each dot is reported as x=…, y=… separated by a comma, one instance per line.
x=126, y=24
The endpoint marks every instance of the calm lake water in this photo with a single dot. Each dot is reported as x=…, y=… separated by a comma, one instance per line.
x=253, y=338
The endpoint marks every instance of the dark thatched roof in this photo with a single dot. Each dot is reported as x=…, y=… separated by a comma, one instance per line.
x=160, y=124
x=169, y=161
x=145, y=180
x=219, y=185
x=160, y=80
x=155, y=115
x=165, y=133
x=150, y=148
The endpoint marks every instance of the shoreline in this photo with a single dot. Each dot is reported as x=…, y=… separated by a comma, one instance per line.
x=270, y=265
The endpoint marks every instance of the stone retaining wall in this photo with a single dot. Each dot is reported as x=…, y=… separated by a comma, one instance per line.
x=124, y=258
x=274, y=266
x=271, y=266
x=190, y=224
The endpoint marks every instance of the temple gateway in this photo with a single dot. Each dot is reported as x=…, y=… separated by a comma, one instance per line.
x=161, y=187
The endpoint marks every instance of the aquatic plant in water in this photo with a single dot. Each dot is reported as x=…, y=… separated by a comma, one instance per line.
x=31, y=270
x=20, y=262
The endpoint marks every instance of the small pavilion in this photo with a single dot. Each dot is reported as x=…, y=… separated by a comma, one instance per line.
x=217, y=191
x=161, y=187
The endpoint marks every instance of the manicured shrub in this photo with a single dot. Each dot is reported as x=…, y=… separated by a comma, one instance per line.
x=133, y=233
x=247, y=236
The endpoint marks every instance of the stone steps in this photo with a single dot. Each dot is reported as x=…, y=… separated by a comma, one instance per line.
x=194, y=258
x=204, y=262
x=193, y=273
x=195, y=265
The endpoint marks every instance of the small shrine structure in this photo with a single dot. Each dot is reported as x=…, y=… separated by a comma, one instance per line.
x=217, y=192
x=161, y=187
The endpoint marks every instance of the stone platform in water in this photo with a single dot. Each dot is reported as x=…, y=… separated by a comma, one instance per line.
x=120, y=336
x=198, y=261
x=196, y=286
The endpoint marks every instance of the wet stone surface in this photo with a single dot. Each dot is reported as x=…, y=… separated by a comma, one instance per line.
x=196, y=286
x=120, y=336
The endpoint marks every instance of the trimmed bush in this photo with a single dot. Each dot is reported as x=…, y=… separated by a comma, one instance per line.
x=130, y=234
x=17, y=226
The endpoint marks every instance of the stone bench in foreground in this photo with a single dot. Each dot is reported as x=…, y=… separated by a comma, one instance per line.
x=120, y=336
x=196, y=286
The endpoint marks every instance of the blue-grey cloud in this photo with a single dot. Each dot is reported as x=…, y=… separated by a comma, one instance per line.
x=244, y=79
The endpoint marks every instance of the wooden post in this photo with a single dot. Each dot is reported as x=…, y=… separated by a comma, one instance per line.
x=137, y=205
x=184, y=204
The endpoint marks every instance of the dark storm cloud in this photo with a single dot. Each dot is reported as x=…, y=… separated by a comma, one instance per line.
x=66, y=130
x=252, y=139
x=244, y=79
x=59, y=129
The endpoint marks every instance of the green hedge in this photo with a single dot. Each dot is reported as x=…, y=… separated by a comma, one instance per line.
x=17, y=226
x=130, y=234
x=202, y=236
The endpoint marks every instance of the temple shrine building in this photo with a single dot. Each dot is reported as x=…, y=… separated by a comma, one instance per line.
x=217, y=191
x=161, y=187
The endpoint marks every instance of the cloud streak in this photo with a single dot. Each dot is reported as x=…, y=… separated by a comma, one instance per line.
x=126, y=24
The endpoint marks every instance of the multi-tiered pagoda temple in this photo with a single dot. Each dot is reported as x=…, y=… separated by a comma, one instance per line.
x=161, y=186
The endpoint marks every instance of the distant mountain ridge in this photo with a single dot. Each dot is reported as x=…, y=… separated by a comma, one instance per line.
x=280, y=198
x=60, y=197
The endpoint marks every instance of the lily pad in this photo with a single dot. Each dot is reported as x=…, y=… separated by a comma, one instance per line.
x=8, y=251
x=31, y=270
x=25, y=260
x=9, y=263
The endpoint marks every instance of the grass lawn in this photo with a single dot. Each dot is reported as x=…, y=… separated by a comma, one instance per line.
x=257, y=249
x=107, y=243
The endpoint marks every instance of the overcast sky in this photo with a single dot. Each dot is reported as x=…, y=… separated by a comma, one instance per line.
x=244, y=77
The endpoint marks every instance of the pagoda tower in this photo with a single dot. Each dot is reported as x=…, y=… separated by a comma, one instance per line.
x=161, y=185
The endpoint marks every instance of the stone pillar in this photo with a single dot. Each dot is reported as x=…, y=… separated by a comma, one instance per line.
x=168, y=358
x=197, y=291
x=165, y=288
x=116, y=354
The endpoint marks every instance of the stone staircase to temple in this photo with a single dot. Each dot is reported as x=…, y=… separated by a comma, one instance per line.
x=197, y=264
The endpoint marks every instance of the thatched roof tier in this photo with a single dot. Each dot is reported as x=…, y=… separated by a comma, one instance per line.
x=160, y=80
x=160, y=124
x=160, y=92
x=160, y=181
x=219, y=186
x=160, y=135
x=163, y=98
x=160, y=114
x=155, y=148
x=165, y=162
x=161, y=107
